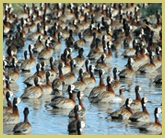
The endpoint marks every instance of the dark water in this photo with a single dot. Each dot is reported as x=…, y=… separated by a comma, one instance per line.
x=48, y=121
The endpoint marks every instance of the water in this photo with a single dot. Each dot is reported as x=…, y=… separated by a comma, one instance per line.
x=48, y=121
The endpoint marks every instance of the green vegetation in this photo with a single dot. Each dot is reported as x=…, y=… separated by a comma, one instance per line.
x=151, y=10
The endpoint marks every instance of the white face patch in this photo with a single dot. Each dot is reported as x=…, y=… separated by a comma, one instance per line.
x=72, y=87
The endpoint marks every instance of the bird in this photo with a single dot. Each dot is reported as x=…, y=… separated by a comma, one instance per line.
x=33, y=92
x=98, y=89
x=105, y=96
x=90, y=81
x=47, y=88
x=137, y=102
x=80, y=85
x=127, y=73
x=14, y=117
x=153, y=127
x=141, y=116
x=58, y=83
x=123, y=114
x=63, y=102
x=23, y=127
x=81, y=109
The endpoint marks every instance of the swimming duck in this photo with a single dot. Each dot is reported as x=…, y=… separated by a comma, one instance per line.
x=23, y=127
x=12, y=118
x=158, y=61
x=87, y=73
x=45, y=53
x=80, y=59
x=149, y=67
x=102, y=64
x=137, y=102
x=9, y=107
x=70, y=78
x=80, y=85
x=47, y=88
x=121, y=96
x=90, y=81
x=79, y=43
x=58, y=83
x=38, y=46
x=153, y=127
x=81, y=108
x=72, y=127
x=30, y=81
x=158, y=79
x=105, y=96
x=33, y=91
x=28, y=64
x=127, y=73
x=63, y=102
x=98, y=89
x=14, y=76
x=123, y=114
x=141, y=116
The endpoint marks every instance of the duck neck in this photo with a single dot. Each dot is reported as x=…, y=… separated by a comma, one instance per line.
x=110, y=88
x=129, y=109
x=60, y=73
x=144, y=108
x=157, y=119
x=110, y=51
x=115, y=76
x=15, y=110
x=101, y=82
x=7, y=85
x=72, y=98
x=81, y=104
x=159, y=58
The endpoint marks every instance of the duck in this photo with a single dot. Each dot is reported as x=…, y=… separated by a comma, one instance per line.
x=58, y=83
x=141, y=116
x=96, y=53
x=158, y=61
x=22, y=60
x=87, y=73
x=81, y=109
x=63, y=102
x=115, y=84
x=33, y=91
x=8, y=88
x=137, y=102
x=91, y=81
x=38, y=46
x=23, y=127
x=52, y=70
x=70, y=38
x=14, y=49
x=72, y=127
x=144, y=56
x=80, y=85
x=127, y=73
x=98, y=89
x=158, y=79
x=149, y=67
x=9, y=107
x=25, y=14
x=14, y=75
x=79, y=43
x=47, y=88
x=34, y=35
x=70, y=78
x=105, y=96
x=123, y=114
x=130, y=52
x=30, y=81
x=66, y=69
x=80, y=59
x=28, y=64
x=10, y=57
x=14, y=117
x=121, y=96
x=45, y=53
x=109, y=55
x=57, y=45
x=101, y=64
x=153, y=127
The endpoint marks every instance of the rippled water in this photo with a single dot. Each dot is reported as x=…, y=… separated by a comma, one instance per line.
x=48, y=121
